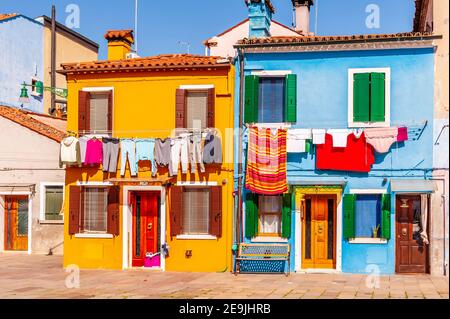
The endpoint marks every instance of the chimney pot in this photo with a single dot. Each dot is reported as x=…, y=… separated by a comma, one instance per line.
x=302, y=15
x=119, y=43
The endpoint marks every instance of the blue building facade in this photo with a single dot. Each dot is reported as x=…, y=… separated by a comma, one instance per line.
x=22, y=60
x=343, y=220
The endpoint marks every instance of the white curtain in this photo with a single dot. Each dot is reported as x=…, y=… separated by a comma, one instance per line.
x=424, y=217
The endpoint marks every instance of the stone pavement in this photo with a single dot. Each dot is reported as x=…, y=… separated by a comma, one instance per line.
x=38, y=276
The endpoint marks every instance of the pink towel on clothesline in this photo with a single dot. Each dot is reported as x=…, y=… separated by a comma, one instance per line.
x=94, y=152
x=402, y=134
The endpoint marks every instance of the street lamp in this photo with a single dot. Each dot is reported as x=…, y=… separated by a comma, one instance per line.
x=24, y=98
x=40, y=88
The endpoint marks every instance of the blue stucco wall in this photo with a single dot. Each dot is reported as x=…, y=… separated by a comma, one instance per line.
x=21, y=59
x=322, y=80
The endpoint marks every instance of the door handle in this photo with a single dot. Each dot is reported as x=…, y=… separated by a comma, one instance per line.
x=404, y=231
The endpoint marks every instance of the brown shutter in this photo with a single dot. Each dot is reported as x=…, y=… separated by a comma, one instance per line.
x=74, y=209
x=176, y=210
x=215, y=213
x=84, y=101
x=110, y=111
x=180, y=109
x=211, y=107
x=113, y=210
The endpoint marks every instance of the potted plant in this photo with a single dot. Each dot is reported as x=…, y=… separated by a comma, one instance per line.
x=375, y=231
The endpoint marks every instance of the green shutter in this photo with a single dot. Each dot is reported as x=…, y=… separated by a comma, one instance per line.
x=361, y=94
x=386, y=216
x=290, y=111
x=377, y=97
x=251, y=99
x=349, y=216
x=251, y=215
x=39, y=87
x=286, y=216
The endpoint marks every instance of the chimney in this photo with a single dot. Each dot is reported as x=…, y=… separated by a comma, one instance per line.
x=302, y=15
x=119, y=43
x=260, y=17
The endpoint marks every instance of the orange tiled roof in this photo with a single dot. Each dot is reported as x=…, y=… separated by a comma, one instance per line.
x=334, y=39
x=163, y=61
x=119, y=34
x=4, y=16
x=27, y=121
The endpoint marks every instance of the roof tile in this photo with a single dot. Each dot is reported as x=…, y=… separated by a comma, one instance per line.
x=4, y=16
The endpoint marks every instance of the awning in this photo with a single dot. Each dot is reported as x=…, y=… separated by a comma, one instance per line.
x=413, y=185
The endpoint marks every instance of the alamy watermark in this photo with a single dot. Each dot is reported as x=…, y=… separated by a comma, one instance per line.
x=73, y=278
x=73, y=17
x=373, y=19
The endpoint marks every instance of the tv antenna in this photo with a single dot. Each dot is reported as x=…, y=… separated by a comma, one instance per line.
x=136, y=25
x=187, y=44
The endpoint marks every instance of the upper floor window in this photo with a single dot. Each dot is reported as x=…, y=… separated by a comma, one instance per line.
x=53, y=202
x=95, y=112
x=195, y=107
x=369, y=93
x=270, y=99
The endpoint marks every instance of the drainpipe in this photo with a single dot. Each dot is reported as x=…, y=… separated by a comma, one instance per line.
x=53, y=60
x=240, y=149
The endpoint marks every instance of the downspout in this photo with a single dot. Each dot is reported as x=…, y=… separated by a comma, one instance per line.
x=241, y=53
x=53, y=61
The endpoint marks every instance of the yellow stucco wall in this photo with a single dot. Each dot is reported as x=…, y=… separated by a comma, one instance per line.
x=144, y=107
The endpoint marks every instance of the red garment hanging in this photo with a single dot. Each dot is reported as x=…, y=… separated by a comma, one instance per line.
x=358, y=156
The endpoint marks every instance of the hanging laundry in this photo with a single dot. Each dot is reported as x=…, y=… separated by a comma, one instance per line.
x=69, y=151
x=94, y=152
x=128, y=151
x=196, y=152
x=358, y=132
x=296, y=140
x=402, y=134
x=212, y=152
x=145, y=151
x=162, y=151
x=318, y=136
x=110, y=154
x=381, y=138
x=339, y=136
x=83, y=145
x=179, y=152
x=358, y=156
x=266, y=162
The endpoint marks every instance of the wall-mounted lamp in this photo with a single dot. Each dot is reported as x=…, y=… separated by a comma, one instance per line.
x=188, y=254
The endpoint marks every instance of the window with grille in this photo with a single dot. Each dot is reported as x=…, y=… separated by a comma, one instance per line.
x=197, y=109
x=95, y=201
x=270, y=209
x=98, y=112
x=196, y=207
x=271, y=100
x=54, y=202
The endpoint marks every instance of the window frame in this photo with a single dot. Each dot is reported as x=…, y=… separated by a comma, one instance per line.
x=100, y=90
x=203, y=91
x=208, y=191
x=387, y=97
x=42, y=200
x=82, y=212
x=280, y=214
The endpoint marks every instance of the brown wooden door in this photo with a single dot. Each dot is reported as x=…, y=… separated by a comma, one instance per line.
x=411, y=252
x=16, y=223
x=145, y=226
x=319, y=231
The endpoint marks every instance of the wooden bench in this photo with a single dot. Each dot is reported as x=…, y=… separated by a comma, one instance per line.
x=263, y=252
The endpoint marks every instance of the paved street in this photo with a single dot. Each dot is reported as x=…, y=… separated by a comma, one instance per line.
x=37, y=276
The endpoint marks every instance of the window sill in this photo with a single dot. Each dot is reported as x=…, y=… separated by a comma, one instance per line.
x=368, y=241
x=368, y=124
x=269, y=239
x=51, y=222
x=200, y=237
x=92, y=235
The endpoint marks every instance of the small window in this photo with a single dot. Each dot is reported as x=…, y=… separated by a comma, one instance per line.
x=53, y=202
x=95, y=204
x=197, y=109
x=196, y=210
x=271, y=100
x=368, y=216
x=270, y=211
x=98, y=112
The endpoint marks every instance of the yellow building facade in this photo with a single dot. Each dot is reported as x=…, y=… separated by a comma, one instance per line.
x=173, y=223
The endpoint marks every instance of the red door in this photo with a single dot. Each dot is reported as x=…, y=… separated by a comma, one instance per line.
x=411, y=251
x=145, y=226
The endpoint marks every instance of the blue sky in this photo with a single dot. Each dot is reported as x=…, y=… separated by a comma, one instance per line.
x=163, y=23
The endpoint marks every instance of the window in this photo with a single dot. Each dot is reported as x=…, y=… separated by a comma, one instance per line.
x=95, y=112
x=367, y=216
x=270, y=99
x=53, y=202
x=270, y=208
x=95, y=205
x=196, y=211
x=195, y=107
x=267, y=215
x=369, y=97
